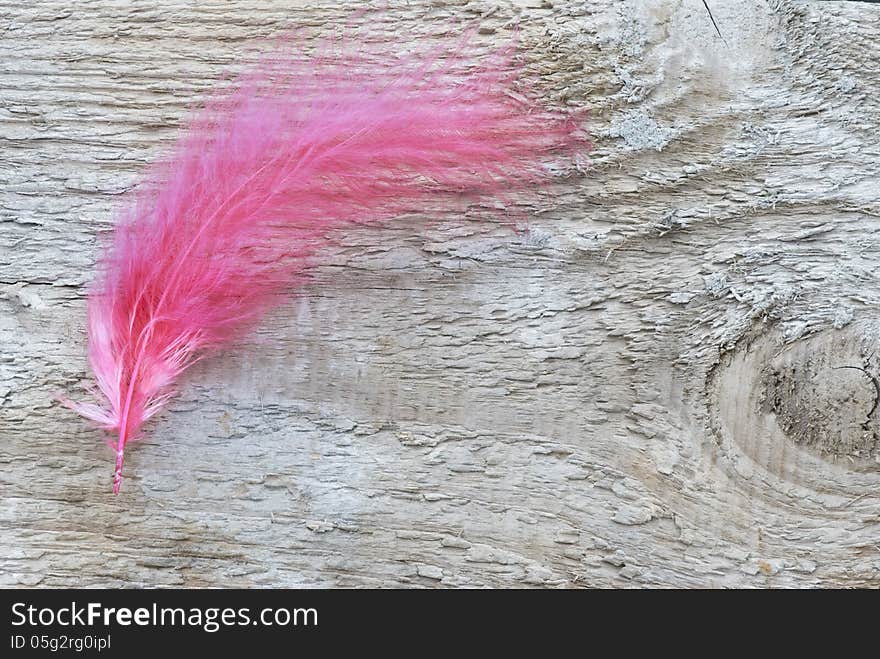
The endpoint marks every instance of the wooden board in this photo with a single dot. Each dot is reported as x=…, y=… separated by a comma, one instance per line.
x=670, y=380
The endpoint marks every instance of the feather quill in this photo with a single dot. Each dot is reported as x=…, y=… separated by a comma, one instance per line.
x=295, y=150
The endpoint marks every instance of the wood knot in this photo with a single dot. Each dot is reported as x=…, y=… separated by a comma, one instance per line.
x=807, y=412
x=825, y=394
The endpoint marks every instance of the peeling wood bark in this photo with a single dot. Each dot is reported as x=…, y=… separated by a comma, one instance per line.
x=669, y=380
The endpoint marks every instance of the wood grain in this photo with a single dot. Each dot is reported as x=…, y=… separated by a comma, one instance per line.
x=671, y=379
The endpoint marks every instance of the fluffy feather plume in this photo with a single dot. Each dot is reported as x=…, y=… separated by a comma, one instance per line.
x=293, y=151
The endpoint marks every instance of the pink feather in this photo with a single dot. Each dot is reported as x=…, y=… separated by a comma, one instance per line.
x=266, y=171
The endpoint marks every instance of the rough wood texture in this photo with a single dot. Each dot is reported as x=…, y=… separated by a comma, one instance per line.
x=671, y=380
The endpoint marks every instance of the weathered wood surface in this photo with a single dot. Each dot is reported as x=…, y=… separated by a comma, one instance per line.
x=671, y=380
